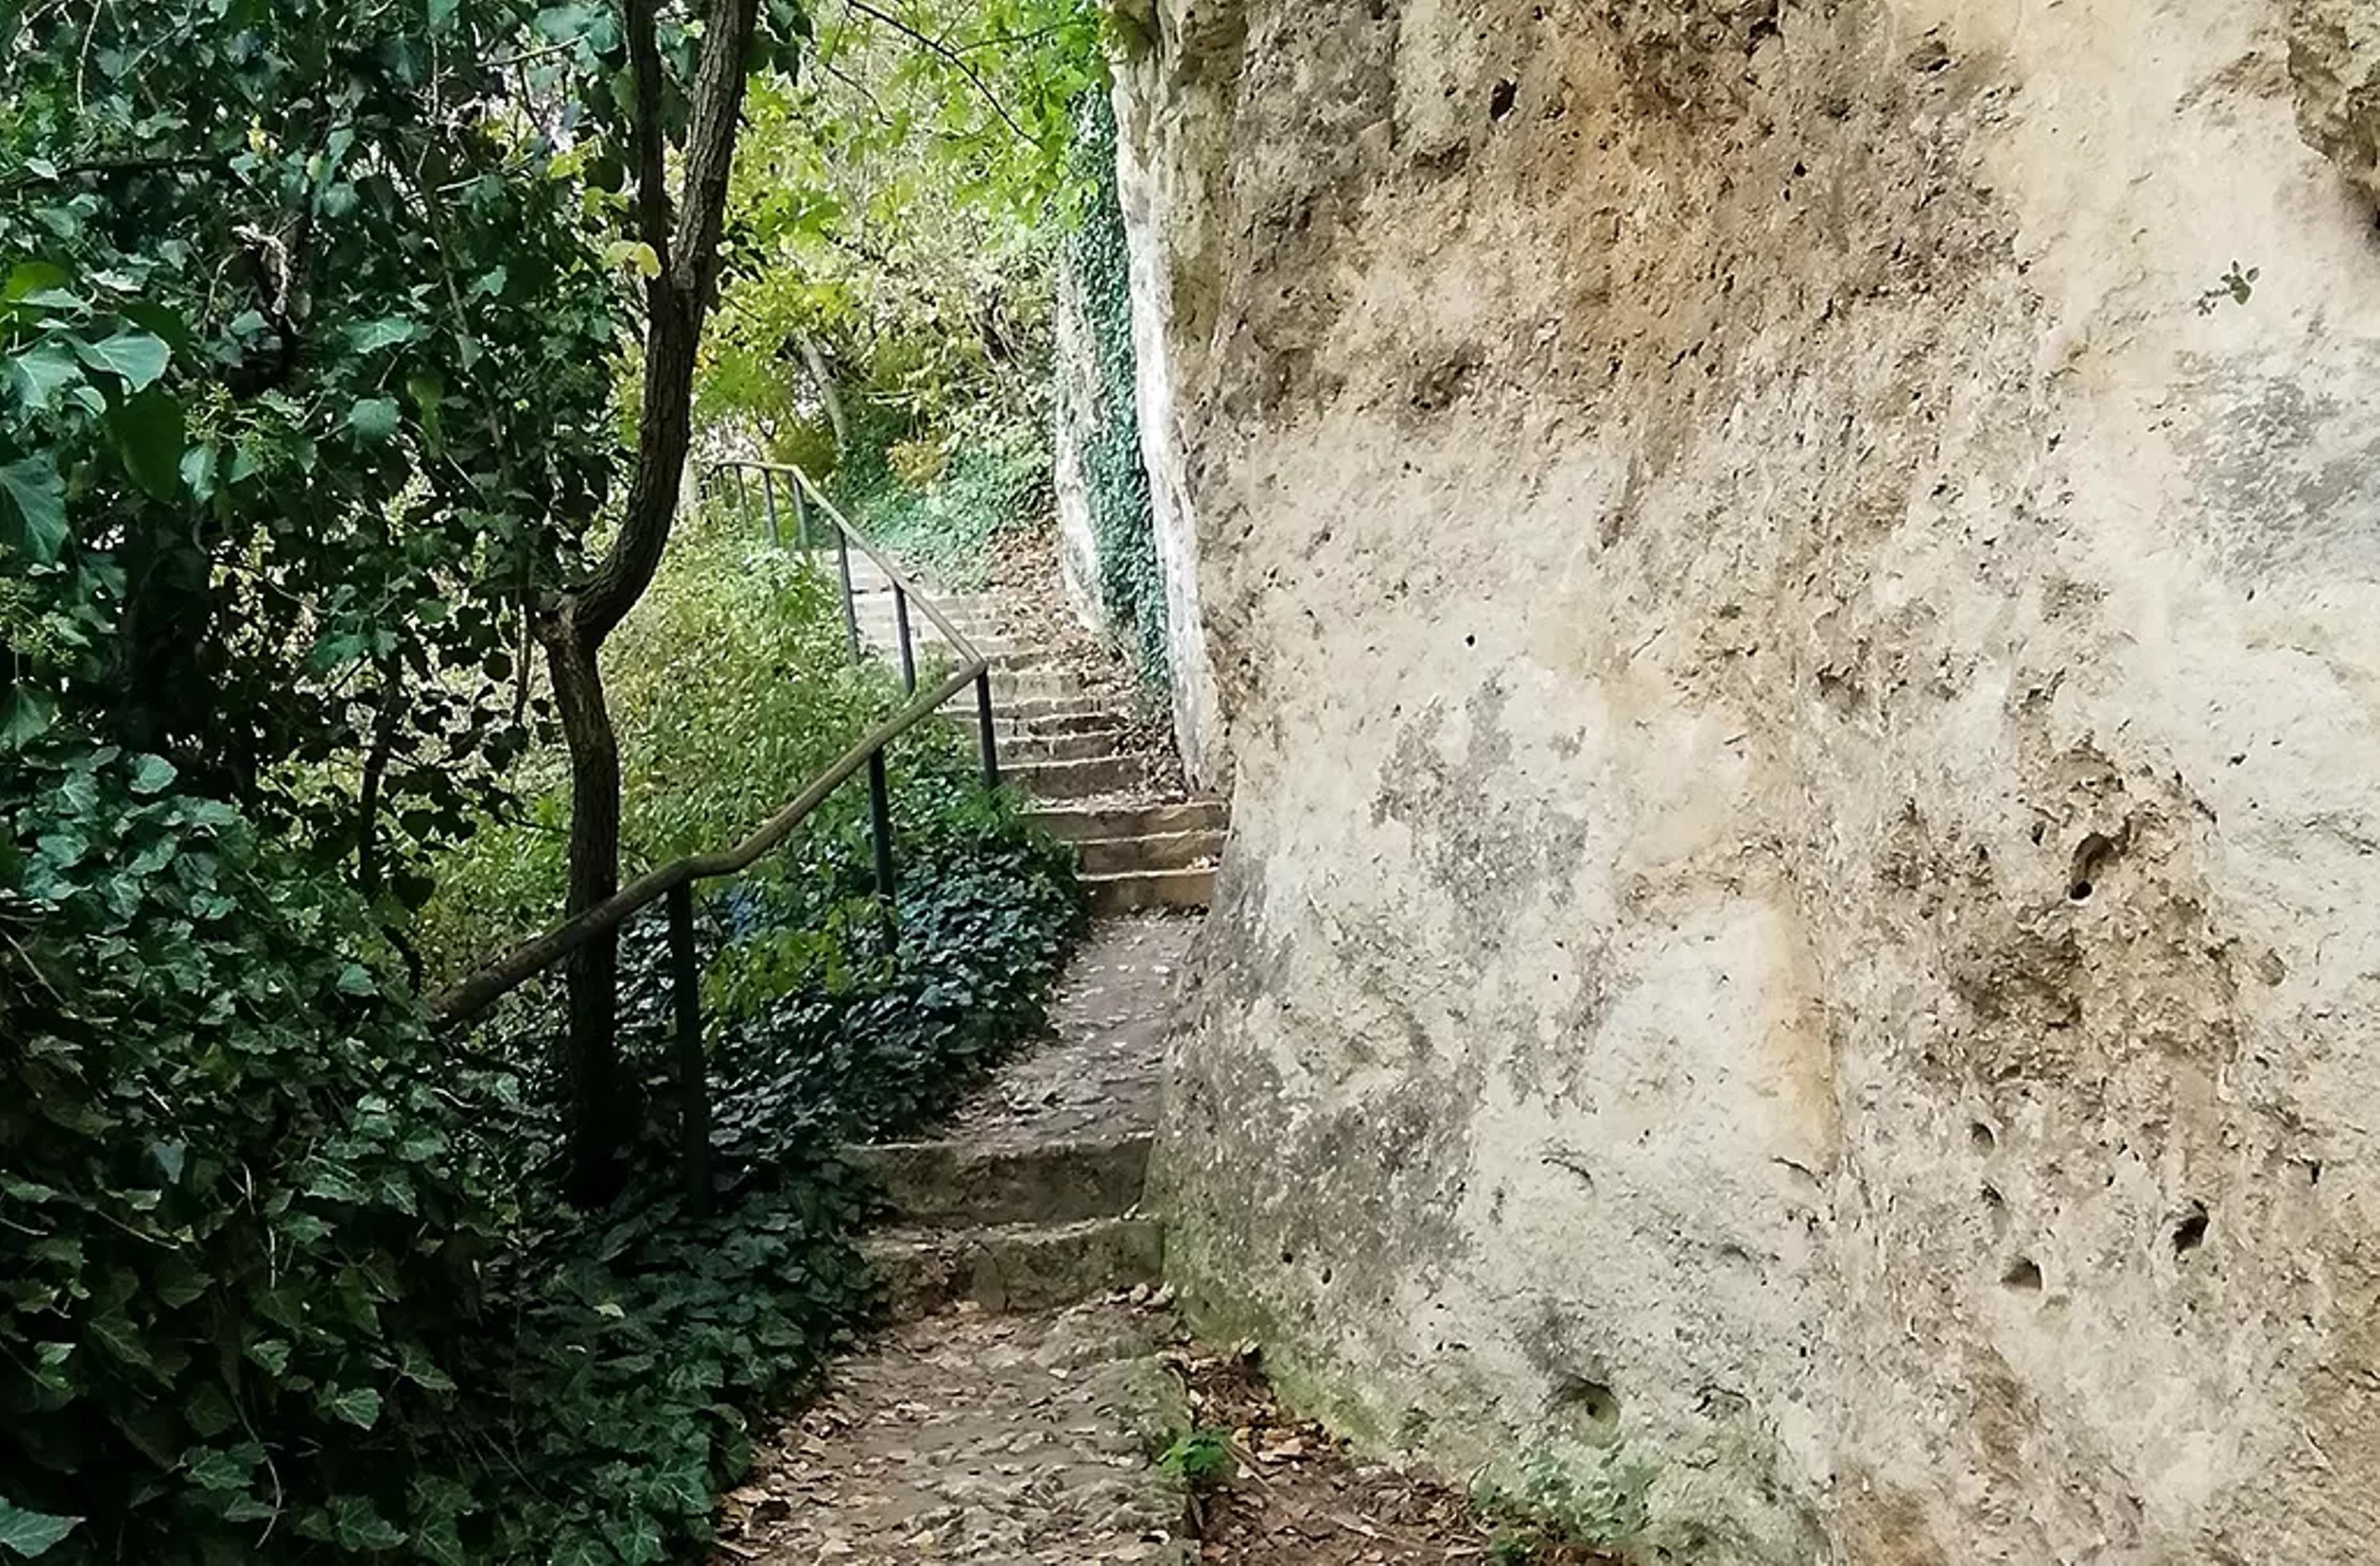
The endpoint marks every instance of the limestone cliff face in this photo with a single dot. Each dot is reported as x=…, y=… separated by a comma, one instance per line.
x=1797, y=643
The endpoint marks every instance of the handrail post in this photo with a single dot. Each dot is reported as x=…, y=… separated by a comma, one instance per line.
x=801, y=514
x=769, y=495
x=983, y=722
x=850, y=604
x=909, y=654
x=743, y=495
x=879, y=826
x=694, y=1089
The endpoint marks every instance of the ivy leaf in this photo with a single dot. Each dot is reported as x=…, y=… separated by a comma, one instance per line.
x=371, y=336
x=152, y=774
x=39, y=496
x=137, y=357
x=30, y=1534
x=359, y=1406
x=25, y=716
x=374, y=419
x=29, y=278
x=148, y=430
x=41, y=371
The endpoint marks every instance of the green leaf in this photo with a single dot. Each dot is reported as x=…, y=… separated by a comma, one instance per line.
x=25, y=716
x=40, y=373
x=152, y=774
x=271, y=1353
x=371, y=336
x=374, y=419
x=39, y=496
x=29, y=278
x=30, y=1534
x=148, y=430
x=359, y=1406
x=170, y=1156
x=137, y=357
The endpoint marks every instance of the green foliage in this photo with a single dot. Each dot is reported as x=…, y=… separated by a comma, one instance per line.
x=731, y=684
x=313, y=320
x=1132, y=581
x=1201, y=1459
x=943, y=513
x=897, y=217
x=243, y=1195
x=282, y=280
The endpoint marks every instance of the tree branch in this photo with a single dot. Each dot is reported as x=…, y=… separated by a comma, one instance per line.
x=652, y=177
x=679, y=297
x=957, y=57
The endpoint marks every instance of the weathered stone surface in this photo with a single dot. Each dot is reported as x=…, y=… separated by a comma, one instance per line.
x=1803, y=942
x=2335, y=62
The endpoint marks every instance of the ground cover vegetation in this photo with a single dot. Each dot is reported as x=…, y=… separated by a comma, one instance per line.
x=347, y=368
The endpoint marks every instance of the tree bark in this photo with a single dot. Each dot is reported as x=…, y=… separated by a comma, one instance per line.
x=685, y=237
x=828, y=394
x=602, y=1094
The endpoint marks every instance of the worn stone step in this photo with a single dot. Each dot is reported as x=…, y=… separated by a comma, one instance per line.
x=1083, y=824
x=1097, y=719
x=943, y=1184
x=1017, y=688
x=1078, y=746
x=1134, y=890
x=1150, y=851
x=1042, y=708
x=1014, y=1267
x=1085, y=779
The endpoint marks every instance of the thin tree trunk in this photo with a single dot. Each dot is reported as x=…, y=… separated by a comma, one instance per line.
x=603, y=1101
x=812, y=357
x=684, y=237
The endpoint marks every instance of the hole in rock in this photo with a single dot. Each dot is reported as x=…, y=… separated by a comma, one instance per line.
x=2095, y=850
x=1981, y=1136
x=1500, y=101
x=2022, y=1276
x=2191, y=1232
x=1587, y=1400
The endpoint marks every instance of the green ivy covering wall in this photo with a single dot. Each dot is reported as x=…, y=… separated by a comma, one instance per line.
x=1131, y=585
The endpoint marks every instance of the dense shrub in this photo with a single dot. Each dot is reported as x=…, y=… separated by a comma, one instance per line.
x=280, y=1275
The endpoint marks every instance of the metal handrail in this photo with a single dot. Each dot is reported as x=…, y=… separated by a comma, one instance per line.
x=452, y=1008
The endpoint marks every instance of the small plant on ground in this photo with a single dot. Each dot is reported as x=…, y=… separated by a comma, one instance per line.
x=1202, y=1460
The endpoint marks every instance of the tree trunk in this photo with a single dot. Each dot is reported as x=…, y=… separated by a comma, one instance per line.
x=832, y=398
x=684, y=237
x=602, y=1100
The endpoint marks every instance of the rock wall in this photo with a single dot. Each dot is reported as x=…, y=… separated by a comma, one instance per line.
x=1793, y=593
x=1078, y=405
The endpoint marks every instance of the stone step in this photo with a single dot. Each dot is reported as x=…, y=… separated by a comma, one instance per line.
x=1153, y=851
x=945, y=1185
x=1040, y=710
x=1080, y=746
x=1139, y=890
x=1014, y=1267
x=1014, y=687
x=1096, y=719
x=1083, y=824
x=1078, y=780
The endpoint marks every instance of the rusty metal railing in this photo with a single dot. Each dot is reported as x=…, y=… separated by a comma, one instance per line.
x=674, y=883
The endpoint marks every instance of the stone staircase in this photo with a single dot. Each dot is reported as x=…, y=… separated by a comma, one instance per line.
x=1066, y=744
x=1030, y=1202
